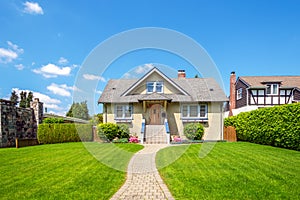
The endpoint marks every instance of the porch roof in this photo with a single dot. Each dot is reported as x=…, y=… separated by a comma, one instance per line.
x=154, y=96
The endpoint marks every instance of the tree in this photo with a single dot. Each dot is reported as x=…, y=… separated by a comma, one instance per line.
x=29, y=99
x=196, y=76
x=23, y=96
x=25, y=100
x=97, y=119
x=79, y=110
x=14, y=97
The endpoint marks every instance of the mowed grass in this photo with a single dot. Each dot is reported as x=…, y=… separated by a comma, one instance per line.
x=62, y=171
x=232, y=171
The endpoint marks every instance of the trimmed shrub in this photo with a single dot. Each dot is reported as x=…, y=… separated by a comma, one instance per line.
x=277, y=126
x=110, y=131
x=194, y=131
x=54, y=120
x=60, y=133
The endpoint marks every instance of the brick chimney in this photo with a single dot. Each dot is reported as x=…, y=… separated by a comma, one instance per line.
x=232, y=98
x=181, y=73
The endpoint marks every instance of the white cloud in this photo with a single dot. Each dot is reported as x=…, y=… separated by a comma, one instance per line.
x=127, y=75
x=93, y=77
x=33, y=8
x=48, y=101
x=63, y=61
x=98, y=92
x=143, y=68
x=20, y=66
x=51, y=71
x=11, y=53
x=62, y=90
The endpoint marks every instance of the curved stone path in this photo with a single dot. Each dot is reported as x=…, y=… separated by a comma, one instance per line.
x=143, y=180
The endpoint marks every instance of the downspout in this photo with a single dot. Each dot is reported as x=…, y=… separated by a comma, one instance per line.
x=222, y=121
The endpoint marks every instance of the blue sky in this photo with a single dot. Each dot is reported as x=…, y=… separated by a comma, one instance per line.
x=44, y=43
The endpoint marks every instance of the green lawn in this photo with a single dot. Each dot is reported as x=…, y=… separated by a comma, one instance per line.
x=232, y=171
x=63, y=171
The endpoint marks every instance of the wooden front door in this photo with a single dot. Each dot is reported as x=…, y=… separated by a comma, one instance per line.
x=156, y=114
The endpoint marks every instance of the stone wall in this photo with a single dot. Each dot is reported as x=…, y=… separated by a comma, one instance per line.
x=18, y=122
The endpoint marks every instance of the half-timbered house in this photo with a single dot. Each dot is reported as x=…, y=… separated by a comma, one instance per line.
x=252, y=92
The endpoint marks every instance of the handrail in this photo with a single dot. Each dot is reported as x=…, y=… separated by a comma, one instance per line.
x=143, y=131
x=167, y=131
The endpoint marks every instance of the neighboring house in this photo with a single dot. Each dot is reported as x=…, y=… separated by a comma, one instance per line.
x=252, y=92
x=155, y=99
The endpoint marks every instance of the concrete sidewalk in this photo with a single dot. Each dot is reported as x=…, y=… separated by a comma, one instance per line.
x=143, y=180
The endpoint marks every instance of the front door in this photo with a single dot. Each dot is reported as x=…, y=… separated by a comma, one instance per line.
x=156, y=114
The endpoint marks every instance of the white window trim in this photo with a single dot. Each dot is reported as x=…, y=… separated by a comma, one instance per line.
x=239, y=93
x=123, y=112
x=198, y=110
x=272, y=91
x=154, y=86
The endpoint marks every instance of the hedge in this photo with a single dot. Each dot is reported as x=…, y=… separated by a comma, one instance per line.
x=277, y=126
x=111, y=131
x=54, y=120
x=60, y=133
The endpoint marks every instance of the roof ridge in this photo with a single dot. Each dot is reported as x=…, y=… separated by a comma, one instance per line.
x=274, y=76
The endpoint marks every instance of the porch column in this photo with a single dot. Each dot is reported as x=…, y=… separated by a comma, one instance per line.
x=144, y=106
x=165, y=106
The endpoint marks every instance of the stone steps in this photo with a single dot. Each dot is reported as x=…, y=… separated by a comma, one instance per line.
x=155, y=134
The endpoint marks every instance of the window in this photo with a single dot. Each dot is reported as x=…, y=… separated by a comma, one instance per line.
x=272, y=89
x=203, y=110
x=239, y=93
x=194, y=111
x=123, y=111
x=155, y=86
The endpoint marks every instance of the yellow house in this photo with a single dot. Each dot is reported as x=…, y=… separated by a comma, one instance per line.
x=157, y=107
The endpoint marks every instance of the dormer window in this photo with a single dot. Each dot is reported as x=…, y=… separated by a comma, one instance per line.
x=155, y=86
x=272, y=89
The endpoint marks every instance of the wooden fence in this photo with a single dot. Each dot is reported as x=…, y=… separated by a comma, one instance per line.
x=26, y=142
x=230, y=134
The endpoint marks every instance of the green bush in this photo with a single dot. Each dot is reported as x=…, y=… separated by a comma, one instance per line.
x=194, y=131
x=123, y=140
x=110, y=131
x=123, y=131
x=54, y=120
x=60, y=133
x=276, y=126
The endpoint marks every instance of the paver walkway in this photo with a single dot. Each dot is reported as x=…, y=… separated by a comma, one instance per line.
x=143, y=180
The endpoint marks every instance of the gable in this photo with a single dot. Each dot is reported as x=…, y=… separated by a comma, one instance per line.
x=168, y=88
x=241, y=83
x=154, y=75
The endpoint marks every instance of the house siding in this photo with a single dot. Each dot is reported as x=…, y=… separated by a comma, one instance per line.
x=212, y=129
x=167, y=87
x=243, y=101
x=297, y=95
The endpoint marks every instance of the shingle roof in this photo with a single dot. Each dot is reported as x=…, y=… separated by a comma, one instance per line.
x=258, y=81
x=199, y=90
